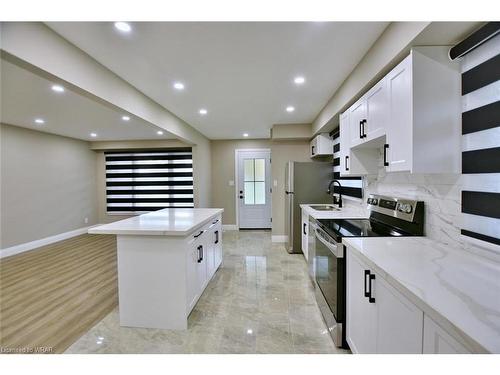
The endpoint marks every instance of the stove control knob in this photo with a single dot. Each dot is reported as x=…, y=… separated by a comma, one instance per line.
x=408, y=209
x=375, y=201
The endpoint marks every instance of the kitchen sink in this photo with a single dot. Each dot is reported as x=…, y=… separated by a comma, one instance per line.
x=324, y=207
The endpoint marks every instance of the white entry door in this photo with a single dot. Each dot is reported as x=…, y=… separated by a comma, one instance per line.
x=254, y=188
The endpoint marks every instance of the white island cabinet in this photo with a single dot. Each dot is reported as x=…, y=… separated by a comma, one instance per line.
x=166, y=259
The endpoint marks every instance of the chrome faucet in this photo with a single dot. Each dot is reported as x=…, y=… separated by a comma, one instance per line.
x=329, y=191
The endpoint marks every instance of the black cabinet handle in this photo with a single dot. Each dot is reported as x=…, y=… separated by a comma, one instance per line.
x=304, y=229
x=360, y=130
x=346, y=167
x=364, y=129
x=370, y=279
x=386, y=163
x=200, y=253
x=312, y=150
x=216, y=236
x=367, y=273
x=199, y=234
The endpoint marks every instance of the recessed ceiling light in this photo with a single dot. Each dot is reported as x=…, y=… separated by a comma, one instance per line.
x=123, y=26
x=178, y=85
x=299, y=80
x=290, y=108
x=159, y=132
x=39, y=121
x=93, y=135
x=203, y=111
x=125, y=118
x=245, y=134
x=58, y=88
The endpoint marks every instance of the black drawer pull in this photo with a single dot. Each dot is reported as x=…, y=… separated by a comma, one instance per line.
x=370, y=279
x=367, y=273
x=364, y=129
x=304, y=229
x=360, y=130
x=216, y=237
x=386, y=163
x=346, y=167
x=199, y=234
x=200, y=253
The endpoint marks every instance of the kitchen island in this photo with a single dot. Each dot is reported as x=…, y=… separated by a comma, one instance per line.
x=165, y=260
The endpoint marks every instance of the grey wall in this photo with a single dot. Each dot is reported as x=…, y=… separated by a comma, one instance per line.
x=48, y=185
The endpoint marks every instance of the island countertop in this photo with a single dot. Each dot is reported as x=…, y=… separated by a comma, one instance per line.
x=166, y=222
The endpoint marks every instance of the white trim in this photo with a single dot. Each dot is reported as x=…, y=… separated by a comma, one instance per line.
x=229, y=227
x=236, y=187
x=279, y=238
x=21, y=248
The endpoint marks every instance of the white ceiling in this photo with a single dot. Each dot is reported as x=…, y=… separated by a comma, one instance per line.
x=27, y=95
x=242, y=73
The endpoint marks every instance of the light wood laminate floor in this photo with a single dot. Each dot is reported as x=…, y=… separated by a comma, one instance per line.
x=51, y=296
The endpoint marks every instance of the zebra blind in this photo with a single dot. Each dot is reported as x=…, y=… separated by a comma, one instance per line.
x=481, y=142
x=351, y=186
x=150, y=180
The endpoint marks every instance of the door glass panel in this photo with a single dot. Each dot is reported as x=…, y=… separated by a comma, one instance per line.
x=250, y=192
x=260, y=192
x=255, y=181
x=260, y=170
x=249, y=170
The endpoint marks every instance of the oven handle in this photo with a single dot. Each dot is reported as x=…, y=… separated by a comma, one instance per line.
x=336, y=250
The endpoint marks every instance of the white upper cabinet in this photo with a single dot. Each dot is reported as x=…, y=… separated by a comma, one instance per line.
x=417, y=108
x=321, y=145
x=377, y=100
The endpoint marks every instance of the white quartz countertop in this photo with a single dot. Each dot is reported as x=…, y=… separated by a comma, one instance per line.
x=166, y=222
x=457, y=289
x=347, y=212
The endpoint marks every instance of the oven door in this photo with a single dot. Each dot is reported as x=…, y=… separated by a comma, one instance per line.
x=329, y=279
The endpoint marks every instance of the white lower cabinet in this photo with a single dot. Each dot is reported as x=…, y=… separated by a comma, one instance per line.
x=203, y=258
x=305, y=230
x=379, y=318
x=438, y=341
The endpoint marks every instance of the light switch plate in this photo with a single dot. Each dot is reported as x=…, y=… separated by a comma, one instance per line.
x=231, y=183
x=275, y=183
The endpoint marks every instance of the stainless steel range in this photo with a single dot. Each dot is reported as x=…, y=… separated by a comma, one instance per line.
x=389, y=217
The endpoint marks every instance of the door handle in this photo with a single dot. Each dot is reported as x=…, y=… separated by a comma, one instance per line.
x=364, y=129
x=370, y=279
x=386, y=163
x=367, y=293
x=200, y=253
x=360, y=130
x=216, y=236
x=346, y=167
x=312, y=150
x=304, y=229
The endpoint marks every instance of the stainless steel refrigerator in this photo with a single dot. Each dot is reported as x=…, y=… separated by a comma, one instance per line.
x=305, y=182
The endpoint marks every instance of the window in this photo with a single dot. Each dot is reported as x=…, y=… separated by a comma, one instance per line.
x=351, y=186
x=144, y=181
x=255, y=181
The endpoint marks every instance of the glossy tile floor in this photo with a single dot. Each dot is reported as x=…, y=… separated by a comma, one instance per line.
x=260, y=301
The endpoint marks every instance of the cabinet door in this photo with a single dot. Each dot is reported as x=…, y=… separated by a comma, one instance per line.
x=313, y=147
x=305, y=231
x=400, y=124
x=399, y=321
x=218, y=245
x=192, y=289
x=345, y=144
x=438, y=341
x=357, y=114
x=361, y=316
x=201, y=265
x=377, y=111
x=210, y=251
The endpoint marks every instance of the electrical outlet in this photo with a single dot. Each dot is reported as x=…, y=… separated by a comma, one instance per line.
x=86, y=220
x=231, y=183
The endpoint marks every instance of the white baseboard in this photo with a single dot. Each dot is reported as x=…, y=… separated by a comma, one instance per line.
x=279, y=238
x=229, y=227
x=21, y=248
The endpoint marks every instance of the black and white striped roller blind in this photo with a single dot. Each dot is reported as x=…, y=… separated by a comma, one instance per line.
x=144, y=181
x=481, y=142
x=352, y=186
